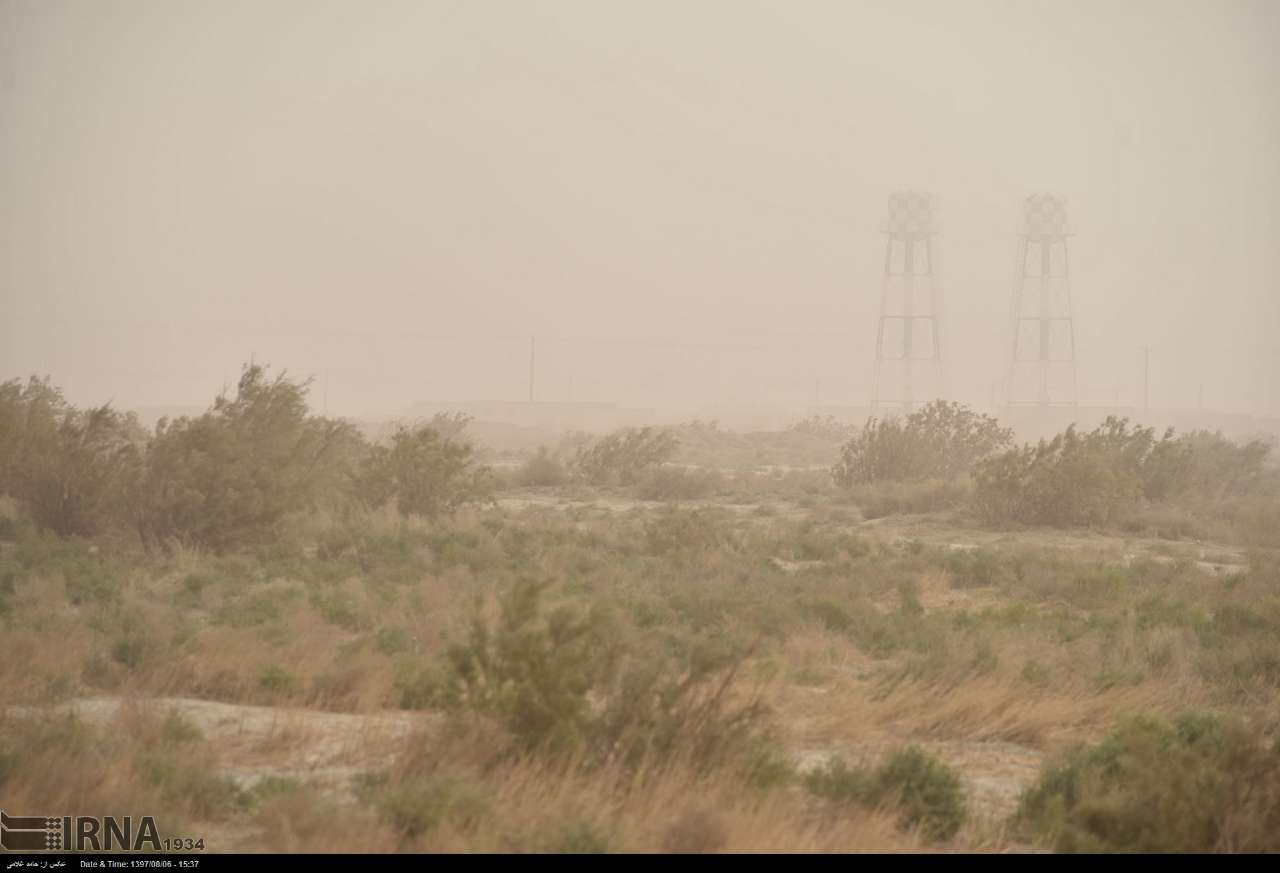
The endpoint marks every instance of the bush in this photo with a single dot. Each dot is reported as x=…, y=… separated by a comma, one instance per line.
x=543, y=469
x=838, y=782
x=207, y=794
x=940, y=441
x=1200, y=784
x=417, y=806
x=567, y=683
x=534, y=675
x=72, y=470
x=231, y=476
x=620, y=457
x=928, y=792
x=1099, y=477
x=425, y=473
x=1073, y=479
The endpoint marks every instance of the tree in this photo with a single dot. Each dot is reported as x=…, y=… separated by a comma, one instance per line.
x=424, y=472
x=70, y=469
x=230, y=476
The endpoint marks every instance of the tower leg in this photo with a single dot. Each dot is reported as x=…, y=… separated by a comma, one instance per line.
x=908, y=319
x=1045, y=322
x=935, y=321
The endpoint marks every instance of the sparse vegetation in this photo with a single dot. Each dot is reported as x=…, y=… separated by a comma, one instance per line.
x=1095, y=478
x=424, y=472
x=940, y=441
x=1199, y=784
x=927, y=792
x=576, y=669
x=621, y=457
x=230, y=476
x=73, y=470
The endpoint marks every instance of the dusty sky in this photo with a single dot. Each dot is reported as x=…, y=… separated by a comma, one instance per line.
x=682, y=200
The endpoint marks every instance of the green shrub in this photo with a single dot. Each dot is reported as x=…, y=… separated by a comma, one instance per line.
x=230, y=476
x=271, y=787
x=831, y=615
x=928, y=793
x=1099, y=477
x=131, y=649
x=940, y=441
x=177, y=729
x=1199, y=784
x=427, y=687
x=392, y=640
x=275, y=680
x=338, y=607
x=426, y=473
x=567, y=682
x=534, y=673
x=620, y=457
x=1036, y=673
x=838, y=782
x=72, y=470
x=418, y=805
x=193, y=783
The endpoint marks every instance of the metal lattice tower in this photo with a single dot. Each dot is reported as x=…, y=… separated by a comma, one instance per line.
x=909, y=316
x=1042, y=359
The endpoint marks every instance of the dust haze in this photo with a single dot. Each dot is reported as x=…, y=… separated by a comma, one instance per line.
x=689, y=427
x=683, y=202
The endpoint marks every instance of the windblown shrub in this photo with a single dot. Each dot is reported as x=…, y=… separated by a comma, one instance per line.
x=620, y=457
x=940, y=441
x=1094, y=478
x=566, y=682
x=927, y=791
x=1206, y=465
x=231, y=475
x=1200, y=784
x=71, y=469
x=533, y=674
x=427, y=474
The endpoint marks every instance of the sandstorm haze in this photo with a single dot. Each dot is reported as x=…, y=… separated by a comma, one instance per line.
x=681, y=201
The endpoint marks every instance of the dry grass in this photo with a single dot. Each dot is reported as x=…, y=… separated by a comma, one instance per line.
x=863, y=643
